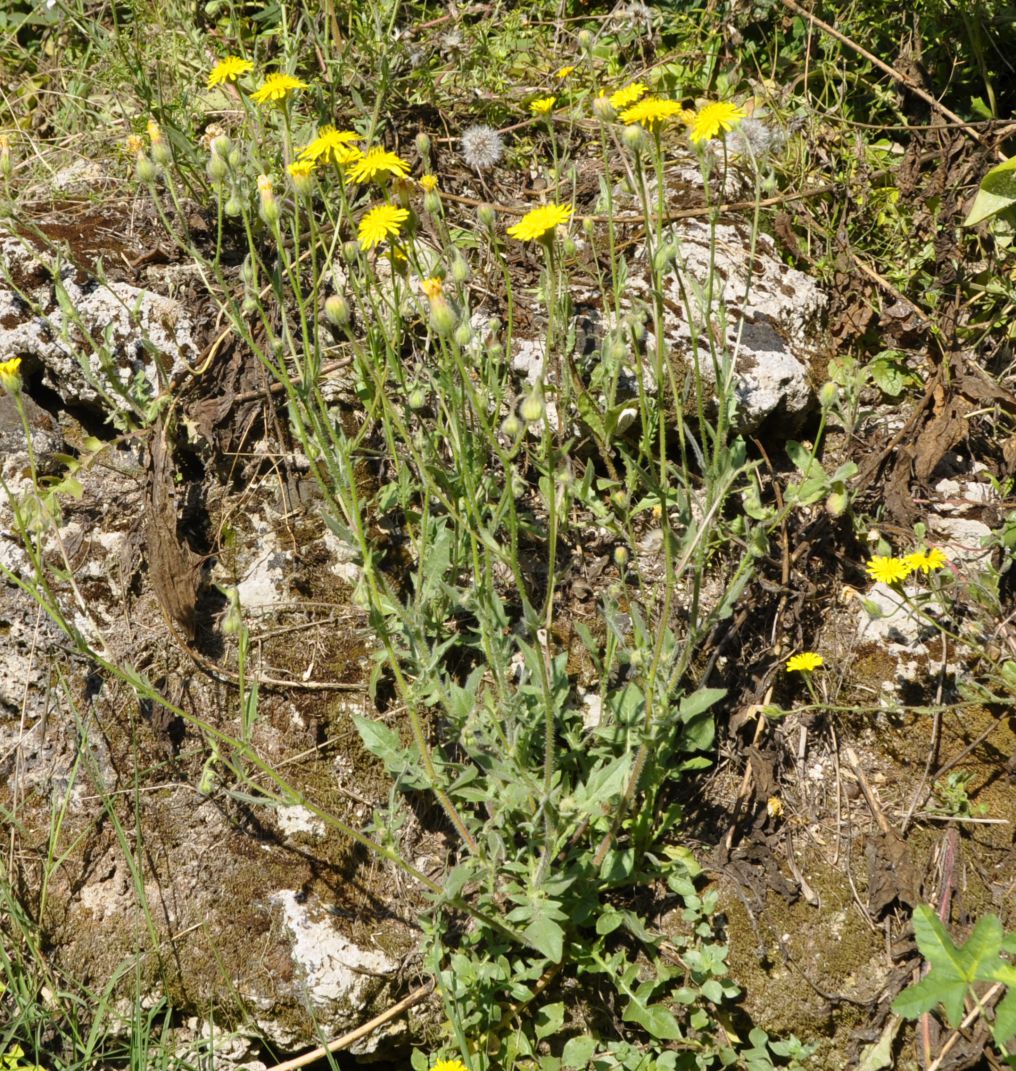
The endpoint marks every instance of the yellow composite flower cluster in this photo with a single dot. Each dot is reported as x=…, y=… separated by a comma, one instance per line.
x=886, y=569
x=449, y=1065
x=229, y=70
x=626, y=96
x=804, y=662
x=381, y=223
x=276, y=88
x=331, y=146
x=712, y=119
x=10, y=375
x=376, y=162
x=652, y=112
x=540, y=221
x=542, y=105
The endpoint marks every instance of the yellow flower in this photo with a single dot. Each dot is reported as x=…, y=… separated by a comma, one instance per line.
x=381, y=222
x=378, y=161
x=449, y=1065
x=888, y=570
x=332, y=146
x=626, y=97
x=542, y=105
x=302, y=174
x=804, y=662
x=719, y=116
x=264, y=185
x=653, y=110
x=433, y=288
x=540, y=221
x=154, y=131
x=276, y=87
x=10, y=375
x=229, y=70
x=428, y=183
x=563, y=72
x=134, y=144
x=925, y=561
x=774, y=805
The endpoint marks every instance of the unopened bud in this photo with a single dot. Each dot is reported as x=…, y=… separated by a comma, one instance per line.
x=337, y=310
x=828, y=395
x=235, y=158
x=432, y=203
x=511, y=426
x=634, y=138
x=218, y=169
x=485, y=214
x=162, y=154
x=621, y=557
x=604, y=110
x=351, y=252
x=417, y=399
x=585, y=40
x=423, y=145
x=233, y=207
x=531, y=409
x=568, y=246
x=836, y=504
x=460, y=270
x=220, y=146
x=443, y=320
x=463, y=334
x=146, y=170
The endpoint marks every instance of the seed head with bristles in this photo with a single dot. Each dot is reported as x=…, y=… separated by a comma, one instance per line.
x=482, y=147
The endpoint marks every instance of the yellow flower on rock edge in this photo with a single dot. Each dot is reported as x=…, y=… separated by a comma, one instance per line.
x=449, y=1065
x=540, y=221
x=653, y=110
x=888, y=570
x=804, y=662
x=714, y=118
x=331, y=146
x=542, y=105
x=626, y=97
x=229, y=70
x=925, y=561
x=10, y=375
x=276, y=87
x=378, y=161
x=381, y=223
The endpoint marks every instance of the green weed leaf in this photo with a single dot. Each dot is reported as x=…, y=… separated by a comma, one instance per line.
x=997, y=193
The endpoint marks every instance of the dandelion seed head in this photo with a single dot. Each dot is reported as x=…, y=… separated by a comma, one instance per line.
x=482, y=147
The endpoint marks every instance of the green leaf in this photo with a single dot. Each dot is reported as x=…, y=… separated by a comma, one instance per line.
x=997, y=193
x=549, y=1020
x=578, y=1052
x=1005, y=1019
x=546, y=936
x=653, y=1017
x=699, y=701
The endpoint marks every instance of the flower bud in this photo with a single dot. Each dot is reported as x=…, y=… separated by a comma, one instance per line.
x=531, y=409
x=664, y=257
x=417, y=399
x=270, y=211
x=511, y=426
x=423, y=145
x=634, y=138
x=220, y=146
x=337, y=310
x=585, y=40
x=588, y=226
x=235, y=159
x=218, y=169
x=443, y=320
x=351, y=252
x=485, y=214
x=6, y=168
x=828, y=395
x=460, y=270
x=432, y=203
x=162, y=154
x=249, y=305
x=604, y=110
x=836, y=504
x=621, y=557
x=146, y=171
x=568, y=246
x=10, y=375
x=463, y=334
x=620, y=499
x=233, y=206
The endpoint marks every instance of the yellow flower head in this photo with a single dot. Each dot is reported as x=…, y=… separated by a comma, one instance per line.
x=804, y=662
x=774, y=807
x=264, y=186
x=719, y=116
x=653, y=111
x=449, y=1065
x=10, y=375
x=428, y=183
x=332, y=146
x=625, y=98
x=542, y=105
x=563, y=72
x=276, y=87
x=888, y=570
x=433, y=288
x=229, y=70
x=154, y=131
x=301, y=172
x=378, y=161
x=134, y=144
x=540, y=221
x=380, y=223
x=925, y=561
